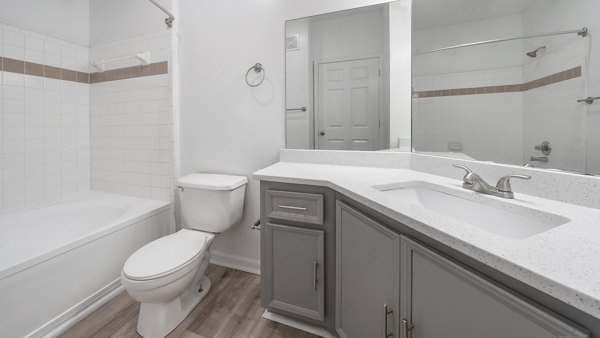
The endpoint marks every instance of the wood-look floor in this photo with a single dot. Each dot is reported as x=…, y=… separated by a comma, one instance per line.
x=231, y=309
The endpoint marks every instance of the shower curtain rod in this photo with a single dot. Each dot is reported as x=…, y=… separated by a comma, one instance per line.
x=168, y=20
x=581, y=32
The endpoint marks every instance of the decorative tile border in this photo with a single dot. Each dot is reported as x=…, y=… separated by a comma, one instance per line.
x=36, y=69
x=544, y=81
x=156, y=68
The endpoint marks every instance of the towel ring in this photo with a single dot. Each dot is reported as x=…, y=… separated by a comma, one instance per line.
x=257, y=69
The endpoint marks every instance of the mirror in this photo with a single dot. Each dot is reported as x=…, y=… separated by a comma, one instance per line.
x=503, y=80
x=339, y=79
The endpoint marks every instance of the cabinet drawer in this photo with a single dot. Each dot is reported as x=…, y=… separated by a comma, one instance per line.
x=294, y=206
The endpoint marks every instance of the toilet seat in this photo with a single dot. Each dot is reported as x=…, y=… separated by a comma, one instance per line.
x=166, y=255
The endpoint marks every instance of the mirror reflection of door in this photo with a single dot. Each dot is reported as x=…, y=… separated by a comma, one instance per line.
x=347, y=105
x=341, y=83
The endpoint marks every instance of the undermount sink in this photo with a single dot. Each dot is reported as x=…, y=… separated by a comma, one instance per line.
x=492, y=215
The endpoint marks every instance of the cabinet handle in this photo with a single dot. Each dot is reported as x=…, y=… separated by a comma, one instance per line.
x=406, y=328
x=292, y=208
x=386, y=313
x=315, y=264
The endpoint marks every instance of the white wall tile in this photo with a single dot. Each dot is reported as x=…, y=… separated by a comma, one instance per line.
x=34, y=43
x=131, y=150
x=39, y=156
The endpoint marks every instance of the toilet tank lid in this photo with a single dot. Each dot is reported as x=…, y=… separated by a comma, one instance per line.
x=211, y=181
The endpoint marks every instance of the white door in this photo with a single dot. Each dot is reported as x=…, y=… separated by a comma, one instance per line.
x=347, y=102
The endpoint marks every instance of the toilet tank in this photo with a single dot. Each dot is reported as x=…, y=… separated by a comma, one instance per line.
x=211, y=202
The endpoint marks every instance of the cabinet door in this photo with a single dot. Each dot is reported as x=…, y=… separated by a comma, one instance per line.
x=367, y=276
x=295, y=270
x=442, y=299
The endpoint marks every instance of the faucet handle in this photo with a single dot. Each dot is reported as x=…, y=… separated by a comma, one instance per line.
x=469, y=172
x=503, y=184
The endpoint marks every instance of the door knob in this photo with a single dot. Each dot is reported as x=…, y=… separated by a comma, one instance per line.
x=321, y=133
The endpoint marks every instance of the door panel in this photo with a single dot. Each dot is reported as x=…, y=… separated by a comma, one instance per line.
x=335, y=109
x=442, y=299
x=367, y=275
x=347, y=102
x=295, y=275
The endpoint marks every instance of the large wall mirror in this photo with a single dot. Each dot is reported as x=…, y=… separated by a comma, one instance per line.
x=342, y=71
x=503, y=81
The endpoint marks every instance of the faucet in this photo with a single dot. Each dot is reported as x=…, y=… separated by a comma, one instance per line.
x=474, y=182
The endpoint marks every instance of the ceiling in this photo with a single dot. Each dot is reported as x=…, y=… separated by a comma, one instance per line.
x=439, y=13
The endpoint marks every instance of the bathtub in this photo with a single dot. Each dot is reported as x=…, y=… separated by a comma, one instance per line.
x=61, y=260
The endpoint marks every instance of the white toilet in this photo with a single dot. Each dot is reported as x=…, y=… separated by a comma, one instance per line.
x=167, y=275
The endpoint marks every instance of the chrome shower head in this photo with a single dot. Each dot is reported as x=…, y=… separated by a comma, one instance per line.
x=534, y=53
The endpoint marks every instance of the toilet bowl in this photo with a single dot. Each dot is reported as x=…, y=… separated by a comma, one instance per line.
x=167, y=275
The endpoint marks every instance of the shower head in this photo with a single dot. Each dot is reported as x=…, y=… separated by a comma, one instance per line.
x=534, y=53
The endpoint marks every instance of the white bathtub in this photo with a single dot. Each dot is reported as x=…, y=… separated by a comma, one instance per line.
x=60, y=260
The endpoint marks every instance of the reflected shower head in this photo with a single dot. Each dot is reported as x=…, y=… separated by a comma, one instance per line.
x=534, y=53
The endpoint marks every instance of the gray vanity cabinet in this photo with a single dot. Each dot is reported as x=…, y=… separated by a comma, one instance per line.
x=296, y=270
x=442, y=299
x=298, y=252
x=326, y=262
x=367, y=276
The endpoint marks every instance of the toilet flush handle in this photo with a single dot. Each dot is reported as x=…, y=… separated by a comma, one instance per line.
x=180, y=187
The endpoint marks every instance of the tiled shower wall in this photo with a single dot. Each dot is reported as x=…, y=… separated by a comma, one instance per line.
x=65, y=127
x=44, y=139
x=474, y=121
x=552, y=113
x=131, y=121
x=502, y=114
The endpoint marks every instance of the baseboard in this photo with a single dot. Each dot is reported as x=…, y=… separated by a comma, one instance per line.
x=67, y=319
x=316, y=330
x=246, y=264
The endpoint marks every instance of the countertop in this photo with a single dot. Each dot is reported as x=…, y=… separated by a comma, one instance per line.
x=563, y=262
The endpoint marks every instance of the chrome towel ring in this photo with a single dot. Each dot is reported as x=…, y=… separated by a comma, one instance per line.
x=257, y=69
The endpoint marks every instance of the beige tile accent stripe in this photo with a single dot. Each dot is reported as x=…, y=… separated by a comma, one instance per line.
x=36, y=69
x=156, y=68
x=544, y=81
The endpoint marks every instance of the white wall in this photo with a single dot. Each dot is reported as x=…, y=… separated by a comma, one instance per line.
x=225, y=125
x=345, y=34
x=298, y=86
x=62, y=19
x=498, y=55
x=400, y=37
x=112, y=20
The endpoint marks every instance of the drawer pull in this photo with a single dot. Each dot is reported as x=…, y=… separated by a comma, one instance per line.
x=292, y=208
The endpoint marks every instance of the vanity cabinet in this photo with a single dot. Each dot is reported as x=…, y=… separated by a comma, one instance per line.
x=330, y=261
x=443, y=299
x=295, y=271
x=367, y=276
x=391, y=286
x=298, y=252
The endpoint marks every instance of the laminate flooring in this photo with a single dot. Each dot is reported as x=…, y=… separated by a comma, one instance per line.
x=231, y=309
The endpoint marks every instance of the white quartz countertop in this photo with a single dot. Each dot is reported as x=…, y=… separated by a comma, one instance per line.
x=563, y=262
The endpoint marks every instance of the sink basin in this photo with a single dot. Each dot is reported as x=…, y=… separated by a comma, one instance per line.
x=492, y=215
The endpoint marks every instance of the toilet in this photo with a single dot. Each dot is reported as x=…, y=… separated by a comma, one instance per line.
x=167, y=275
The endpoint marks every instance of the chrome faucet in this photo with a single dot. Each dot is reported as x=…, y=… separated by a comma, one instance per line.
x=474, y=182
